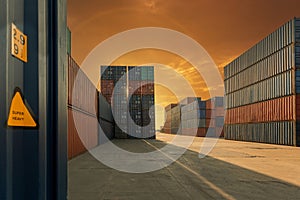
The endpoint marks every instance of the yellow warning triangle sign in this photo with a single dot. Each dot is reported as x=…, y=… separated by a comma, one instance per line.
x=19, y=115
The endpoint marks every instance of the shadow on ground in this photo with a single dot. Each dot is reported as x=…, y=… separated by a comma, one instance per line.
x=188, y=178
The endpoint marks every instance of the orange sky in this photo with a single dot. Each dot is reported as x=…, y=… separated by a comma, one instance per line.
x=224, y=28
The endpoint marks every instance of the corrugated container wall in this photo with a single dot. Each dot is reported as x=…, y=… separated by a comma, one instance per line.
x=141, y=101
x=82, y=110
x=106, y=120
x=261, y=90
x=114, y=89
x=168, y=123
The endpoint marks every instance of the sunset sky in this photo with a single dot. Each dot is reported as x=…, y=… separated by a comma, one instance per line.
x=225, y=29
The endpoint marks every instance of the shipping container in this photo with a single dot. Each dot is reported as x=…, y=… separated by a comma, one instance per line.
x=170, y=106
x=147, y=88
x=83, y=135
x=148, y=101
x=107, y=87
x=147, y=117
x=135, y=132
x=280, y=109
x=215, y=102
x=211, y=132
x=210, y=123
x=219, y=121
x=120, y=133
x=149, y=133
x=175, y=118
x=271, y=88
x=134, y=73
x=197, y=132
x=106, y=131
x=273, y=132
x=201, y=114
x=113, y=72
x=265, y=48
x=134, y=87
x=83, y=93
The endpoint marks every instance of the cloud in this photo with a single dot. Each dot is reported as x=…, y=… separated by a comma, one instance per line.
x=151, y=4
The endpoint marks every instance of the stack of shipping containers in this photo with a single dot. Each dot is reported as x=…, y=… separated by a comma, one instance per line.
x=85, y=110
x=147, y=96
x=119, y=101
x=135, y=102
x=114, y=89
x=183, y=117
x=215, y=116
x=82, y=105
x=193, y=117
x=176, y=119
x=168, y=116
x=262, y=90
x=130, y=91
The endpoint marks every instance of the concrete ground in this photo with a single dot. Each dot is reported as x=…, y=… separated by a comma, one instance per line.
x=232, y=170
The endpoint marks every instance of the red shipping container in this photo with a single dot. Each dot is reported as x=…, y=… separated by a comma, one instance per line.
x=280, y=109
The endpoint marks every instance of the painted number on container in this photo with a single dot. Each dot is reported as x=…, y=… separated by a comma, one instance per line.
x=18, y=44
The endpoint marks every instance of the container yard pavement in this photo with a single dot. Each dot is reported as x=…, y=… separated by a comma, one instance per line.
x=232, y=170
